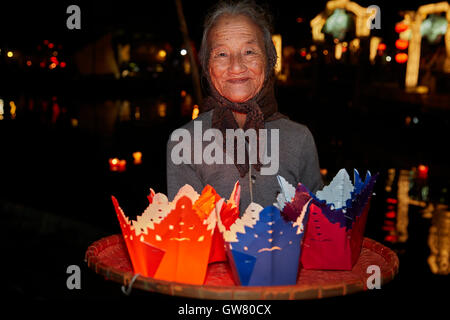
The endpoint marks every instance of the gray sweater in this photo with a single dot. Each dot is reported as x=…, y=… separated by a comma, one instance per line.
x=298, y=162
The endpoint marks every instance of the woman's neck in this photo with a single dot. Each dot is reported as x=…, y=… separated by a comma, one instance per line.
x=240, y=118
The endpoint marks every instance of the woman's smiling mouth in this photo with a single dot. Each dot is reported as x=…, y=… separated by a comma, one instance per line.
x=238, y=80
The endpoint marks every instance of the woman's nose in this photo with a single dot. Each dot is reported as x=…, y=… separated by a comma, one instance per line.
x=237, y=64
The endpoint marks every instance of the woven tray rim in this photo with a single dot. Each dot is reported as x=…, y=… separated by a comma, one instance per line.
x=293, y=292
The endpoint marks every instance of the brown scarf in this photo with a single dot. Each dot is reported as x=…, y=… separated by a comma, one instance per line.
x=260, y=109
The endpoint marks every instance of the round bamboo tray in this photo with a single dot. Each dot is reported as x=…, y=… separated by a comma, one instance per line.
x=109, y=257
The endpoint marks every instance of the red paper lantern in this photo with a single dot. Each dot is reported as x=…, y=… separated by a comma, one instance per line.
x=401, y=57
x=400, y=27
x=391, y=238
x=401, y=44
x=390, y=214
x=422, y=171
x=382, y=46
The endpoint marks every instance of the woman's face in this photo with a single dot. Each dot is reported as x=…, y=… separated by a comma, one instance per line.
x=237, y=59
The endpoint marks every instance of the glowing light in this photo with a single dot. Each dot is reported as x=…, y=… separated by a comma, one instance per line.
x=422, y=171
x=2, y=111
x=348, y=11
x=42, y=64
x=29, y=63
x=422, y=89
x=137, y=157
x=391, y=238
x=382, y=46
x=10, y=54
x=183, y=93
x=46, y=42
x=388, y=58
x=12, y=111
x=401, y=44
x=162, y=54
x=308, y=56
x=391, y=214
x=354, y=45
x=401, y=27
x=391, y=200
x=137, y=113
x=183, y=52
x=195, y=112
x=54, y=60
x=52, y=66
x=338, y=51
x=62, y=64
x=433, y=27
x=375, y=48
x=51, y=45
x=299, y=20
x=408, y=120
x=122, y=165
x=337, y=24
x=325, y=52
x=401, y=57
x=117, y=165
x=162, y=107
x=74, y=122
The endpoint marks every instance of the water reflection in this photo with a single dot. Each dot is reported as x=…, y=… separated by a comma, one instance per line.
x=439, y=240
x=98, y=117
x=403, y=205
x=123, y=131
x=412, y=190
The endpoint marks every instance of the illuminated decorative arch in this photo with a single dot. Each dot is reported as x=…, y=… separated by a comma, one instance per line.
x=415, y=19
x=364, y=16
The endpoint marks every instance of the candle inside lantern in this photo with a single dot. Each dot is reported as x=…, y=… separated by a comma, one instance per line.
x=122, y=165
x=137, y=156
x=117, y=165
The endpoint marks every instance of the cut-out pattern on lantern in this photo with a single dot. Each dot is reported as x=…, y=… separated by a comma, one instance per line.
x=172, y=240
x=336, y=223
x=262, y=246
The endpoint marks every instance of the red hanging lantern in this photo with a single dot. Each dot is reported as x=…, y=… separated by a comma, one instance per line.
x=401, y=57
x=401, y=44
x=423, y=171
x=400, y=27
x=382, y=46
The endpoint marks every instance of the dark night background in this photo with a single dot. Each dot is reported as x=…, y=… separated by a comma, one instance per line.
x=55, y=182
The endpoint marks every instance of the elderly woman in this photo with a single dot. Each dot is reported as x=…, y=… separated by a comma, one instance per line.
x=238, y=58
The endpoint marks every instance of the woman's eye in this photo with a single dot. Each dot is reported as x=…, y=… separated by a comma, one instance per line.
x=221, y=54
x=249, y=52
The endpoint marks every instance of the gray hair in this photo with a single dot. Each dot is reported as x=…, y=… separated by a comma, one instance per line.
x=250, y=9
